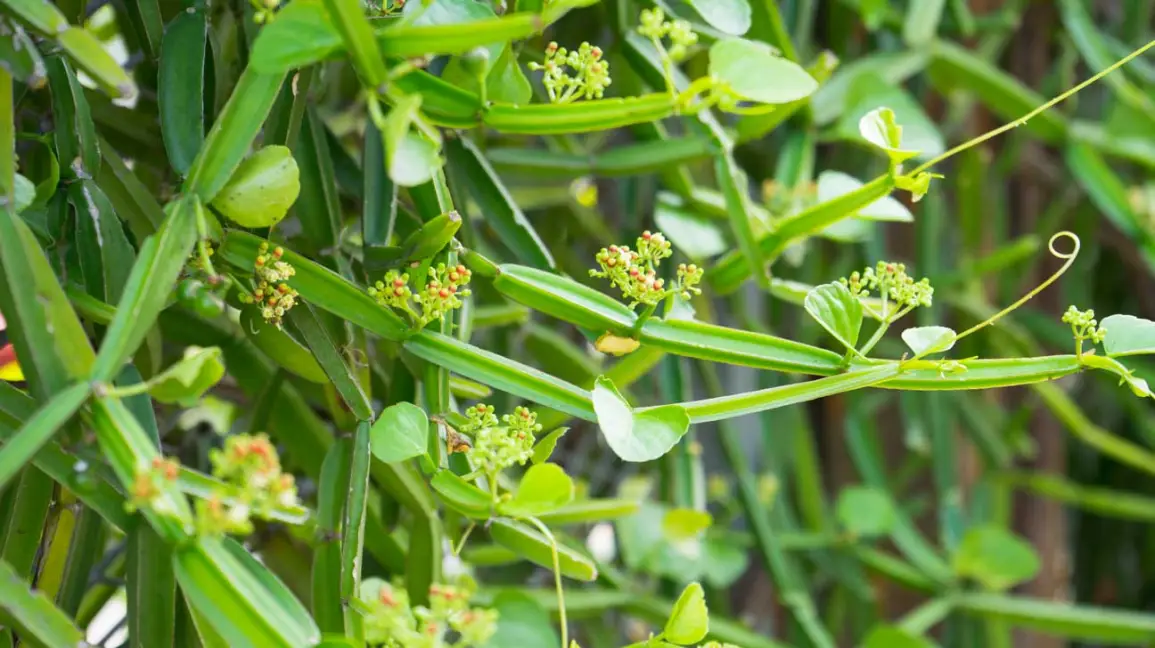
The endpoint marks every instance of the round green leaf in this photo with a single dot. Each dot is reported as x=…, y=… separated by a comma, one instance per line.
x=690, y=621
x=186, y=381
x=839, y=312
x=866, y=512
x=995, y=557
x=544, y=488
x=414, y=161
x=934, y=339
x=400, y=433
x=728, y=16
x=756, y=73
x=262, y=189
x=641, y=436
x=1128, y=335
x=685, y=524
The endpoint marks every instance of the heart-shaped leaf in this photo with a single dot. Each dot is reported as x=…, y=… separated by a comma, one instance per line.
x=262, y=189
x=544, y=447
x=690, y=620
x=186, y=381
x=755, y=72
x=641, y=436
x=865, y=512
x=929, y=339
x=995, y=557
x=880, y=128
x=400, y=433
x=544, y=488
x=1128, y=335
x=413, y=161
x=839, y=312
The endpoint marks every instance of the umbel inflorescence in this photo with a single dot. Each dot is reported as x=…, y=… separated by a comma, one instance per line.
x=899, y=292
x=272, y=295
x=635, y=272
x=499, y=445
x=439, y=295
x=392, y=620
x=572, y=75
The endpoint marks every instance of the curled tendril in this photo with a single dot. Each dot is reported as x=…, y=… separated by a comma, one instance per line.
x=1068, y=257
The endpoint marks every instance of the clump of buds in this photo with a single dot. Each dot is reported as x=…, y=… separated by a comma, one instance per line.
x=449, y=620
x=264, y=10
x=634, y=272
x=899, y=291
x=655, y=27
x=148, y=484
x=440, y=295
x=572, y=75
x=1084, y=326
x=272, y=295
x=497, y=446
x=250, y=464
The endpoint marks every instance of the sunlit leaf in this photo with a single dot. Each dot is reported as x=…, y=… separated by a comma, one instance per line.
x=689, y=621
x=642, y=436
x=933, y=339
x=756, y=73
x=262, y=189
x=1128, y=335
x=880, y=128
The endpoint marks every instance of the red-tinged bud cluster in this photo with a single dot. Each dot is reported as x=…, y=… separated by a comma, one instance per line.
x=442, y=293
x=251, y=467
x=572, y=75
x=272, y=295
x=635, y=272
x=149, y=483
x=391, y=618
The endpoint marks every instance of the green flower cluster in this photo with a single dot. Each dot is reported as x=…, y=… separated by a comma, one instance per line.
x=496, y=446
x=440, y=295
x=392, y=621
x=272, y=294
x=589, y=78
x=251, y=465
x=634, y=272
x=655, y=27
x=893, y=285
x=1084, y=326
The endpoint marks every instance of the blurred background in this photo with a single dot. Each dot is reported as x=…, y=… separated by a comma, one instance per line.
x=1040, y=461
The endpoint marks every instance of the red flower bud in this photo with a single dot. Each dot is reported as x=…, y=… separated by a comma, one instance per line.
x=444, y=293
